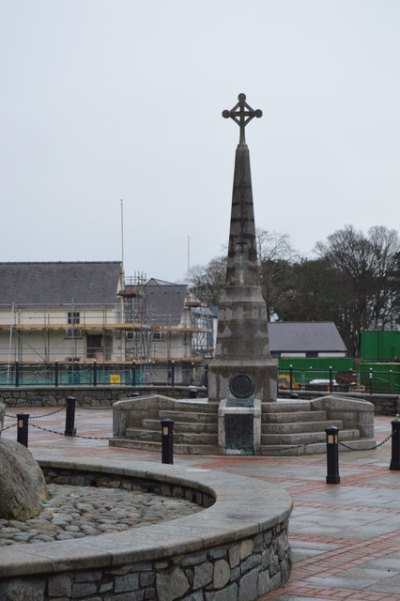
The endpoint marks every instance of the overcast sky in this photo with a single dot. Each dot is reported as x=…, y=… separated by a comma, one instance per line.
x=103, y=100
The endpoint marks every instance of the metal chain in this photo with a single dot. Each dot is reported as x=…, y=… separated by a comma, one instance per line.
x=37, y=416
x=75, y=436
x=369, y=448
x=306, y=444
x=47, y=414
x=8, y=427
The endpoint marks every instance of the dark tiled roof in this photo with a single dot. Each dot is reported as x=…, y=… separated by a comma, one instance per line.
x=165, y=304
x=53, y=284
x=291, y=336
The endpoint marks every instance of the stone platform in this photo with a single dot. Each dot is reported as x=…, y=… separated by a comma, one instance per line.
x=284, y=427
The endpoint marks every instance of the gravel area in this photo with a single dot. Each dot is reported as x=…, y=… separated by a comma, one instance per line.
x=77, y=511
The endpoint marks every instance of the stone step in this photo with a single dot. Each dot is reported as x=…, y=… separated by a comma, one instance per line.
x=291, y=428
x=289, y=416
x=182, y=426
x=189, y=416
x=179, y=449
x=195, y=406
x=302, y=438
x=315, y=448
x=284, y=406
x=179, y=437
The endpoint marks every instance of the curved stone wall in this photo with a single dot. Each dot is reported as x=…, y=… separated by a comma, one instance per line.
x=236, y=549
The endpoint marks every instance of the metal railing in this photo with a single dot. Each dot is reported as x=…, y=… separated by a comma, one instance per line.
x=364, y=380
x=95, y=374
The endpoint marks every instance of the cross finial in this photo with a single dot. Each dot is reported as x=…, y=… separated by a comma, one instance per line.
x=241, y=115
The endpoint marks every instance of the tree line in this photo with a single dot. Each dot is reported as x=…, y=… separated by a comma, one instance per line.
x=354, y=281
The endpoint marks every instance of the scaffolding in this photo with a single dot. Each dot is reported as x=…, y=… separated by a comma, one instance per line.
x=128, y=331
x=138, y=340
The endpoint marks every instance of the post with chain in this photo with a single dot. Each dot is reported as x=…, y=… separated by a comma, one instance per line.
x=395, y=460
x=332, y=455
x=70, y=429
x=167, y=441
x=22, y=428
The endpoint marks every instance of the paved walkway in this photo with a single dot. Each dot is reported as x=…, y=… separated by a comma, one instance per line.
x=345, y=538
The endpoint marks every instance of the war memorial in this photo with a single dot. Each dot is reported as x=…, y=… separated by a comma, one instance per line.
x=241, y=415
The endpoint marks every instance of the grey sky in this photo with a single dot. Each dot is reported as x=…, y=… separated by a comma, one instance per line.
x=108, y=99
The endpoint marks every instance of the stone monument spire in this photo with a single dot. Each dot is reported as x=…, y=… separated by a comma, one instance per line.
x=242, y=340
x=242, y=252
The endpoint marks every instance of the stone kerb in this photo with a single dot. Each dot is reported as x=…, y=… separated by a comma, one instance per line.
x=235, y=550
x=354, y=413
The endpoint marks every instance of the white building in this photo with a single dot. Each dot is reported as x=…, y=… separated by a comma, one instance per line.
x=84, y=311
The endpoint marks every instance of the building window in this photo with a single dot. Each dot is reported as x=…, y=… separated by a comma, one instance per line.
x=94, y=346
x=73, y=318
x=159, y=336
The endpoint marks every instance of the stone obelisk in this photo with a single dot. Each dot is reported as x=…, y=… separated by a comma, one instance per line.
x=242, y=351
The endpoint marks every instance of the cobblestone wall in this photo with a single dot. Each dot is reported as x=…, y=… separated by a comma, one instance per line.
x=98, y=396
x=235, y=570
x=239, y=572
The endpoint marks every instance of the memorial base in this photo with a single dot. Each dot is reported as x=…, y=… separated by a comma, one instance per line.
x=239, y=426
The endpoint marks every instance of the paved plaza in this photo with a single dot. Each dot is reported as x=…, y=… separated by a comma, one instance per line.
x=345, y=538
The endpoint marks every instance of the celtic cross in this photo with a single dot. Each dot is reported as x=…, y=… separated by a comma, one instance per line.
x=242, y=113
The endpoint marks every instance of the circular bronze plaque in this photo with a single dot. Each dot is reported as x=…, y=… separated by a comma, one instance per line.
x=242, y=386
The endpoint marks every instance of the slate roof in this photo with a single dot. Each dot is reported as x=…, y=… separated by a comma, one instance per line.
x=294, y=336
x=54, y=284
x=165, y=303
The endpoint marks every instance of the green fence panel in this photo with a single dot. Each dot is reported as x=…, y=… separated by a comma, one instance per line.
x=382, y=378
x=380, y=345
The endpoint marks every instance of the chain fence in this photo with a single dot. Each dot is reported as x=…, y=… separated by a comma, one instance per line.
x=282, y=448
x=379, y=444
x=304, y=445
x=74, y=436
x=50, y=430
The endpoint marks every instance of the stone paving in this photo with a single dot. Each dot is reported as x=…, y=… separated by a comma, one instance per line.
x=345, y=537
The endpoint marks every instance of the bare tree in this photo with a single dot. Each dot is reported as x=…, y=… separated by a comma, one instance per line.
x=367, y=268
x=276, y=257
x=207, y=281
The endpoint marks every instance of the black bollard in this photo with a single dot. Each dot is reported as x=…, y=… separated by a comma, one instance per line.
x=332, y=455
x=330, y=379
x=192, y=392
x=395, y=460
x=94, y=373
x=70, y=429
x=167, y=440
x=22, y=428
